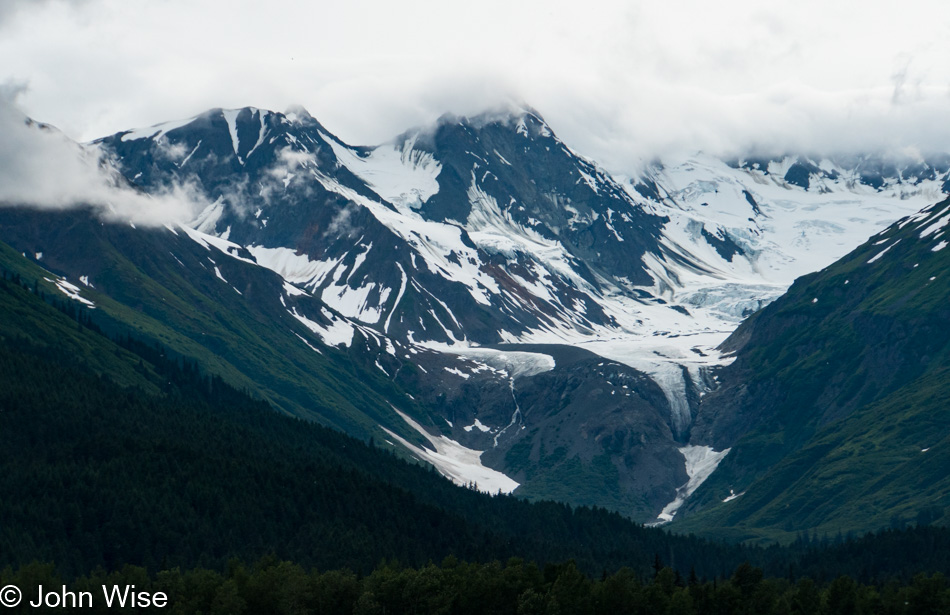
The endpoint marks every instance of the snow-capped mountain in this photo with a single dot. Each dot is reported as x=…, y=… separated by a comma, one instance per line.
x=437, y=236
x=548, y=326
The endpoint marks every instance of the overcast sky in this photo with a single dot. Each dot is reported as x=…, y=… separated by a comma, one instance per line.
x=616, y=80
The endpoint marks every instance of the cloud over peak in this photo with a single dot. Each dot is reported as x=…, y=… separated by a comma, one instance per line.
x=618, y=81
x=42, y=168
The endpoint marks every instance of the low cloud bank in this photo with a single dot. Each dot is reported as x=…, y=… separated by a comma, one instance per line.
x=42, y=168
x=618, y=81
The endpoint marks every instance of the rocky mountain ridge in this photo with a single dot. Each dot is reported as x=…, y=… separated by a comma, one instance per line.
x=530, y=320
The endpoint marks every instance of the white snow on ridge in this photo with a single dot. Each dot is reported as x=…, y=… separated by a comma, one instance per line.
x=355, y=302
x=293, y=267
x=406, y=177
x=339, y=332
x=459, y=373
x=207, y=220
x=230, y=116
x=936, y=226
x=440, y=245
x=262, y=131
x=293, y=291
x=155, y=131
x=461, y=465
x=402, y=290
x=222, y=245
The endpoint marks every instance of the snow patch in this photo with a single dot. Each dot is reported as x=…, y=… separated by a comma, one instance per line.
x=936, y=226
x=222, y=245
x=516, y=364
x=230, y=116
x=309, y=345
x=460, y=464
x=477, y=425
x=402, y=289
x=337, y=332
x=293, y=267
x=457, y=372
x=400, y=174
x=293, y=291
x=883, y=252
x=71, y=291
x=154, y=132
x=356, y=302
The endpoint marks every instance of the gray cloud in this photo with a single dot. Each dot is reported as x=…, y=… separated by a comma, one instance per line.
x=12, y=89
x=618, y=81
x=11, y=9
x=40, y=167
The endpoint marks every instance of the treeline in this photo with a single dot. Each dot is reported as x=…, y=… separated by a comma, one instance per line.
x=273, y=587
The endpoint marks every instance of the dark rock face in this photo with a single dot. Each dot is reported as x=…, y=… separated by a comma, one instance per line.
x=540, y=184
x=278, y=182
x=344, y=283
x=286, y=195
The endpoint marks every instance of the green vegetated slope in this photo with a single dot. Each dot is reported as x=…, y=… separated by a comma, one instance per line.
x=27, y=317
x=177, y=468
x=174, y=467
x=842, y=385
x=162, y=286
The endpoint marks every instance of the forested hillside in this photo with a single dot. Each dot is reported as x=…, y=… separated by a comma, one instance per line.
x=119, y=457
x=176, y=468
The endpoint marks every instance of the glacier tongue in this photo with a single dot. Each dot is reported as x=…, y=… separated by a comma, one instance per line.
x=735, y=240
x=701, y=462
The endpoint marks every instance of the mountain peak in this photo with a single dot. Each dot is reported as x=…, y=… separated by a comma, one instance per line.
x=512, y=114
x=297, y=113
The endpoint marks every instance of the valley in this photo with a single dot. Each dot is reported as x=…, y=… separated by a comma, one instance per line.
x=474, y=293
